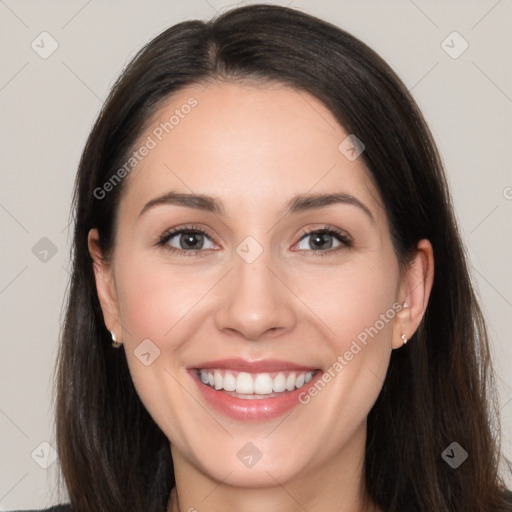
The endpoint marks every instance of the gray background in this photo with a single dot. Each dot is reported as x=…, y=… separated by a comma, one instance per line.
x=49, y=104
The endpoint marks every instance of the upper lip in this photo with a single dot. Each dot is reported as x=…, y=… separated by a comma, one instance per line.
x=261, y=366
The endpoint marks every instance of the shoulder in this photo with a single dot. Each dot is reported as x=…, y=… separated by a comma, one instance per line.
x=55, y=508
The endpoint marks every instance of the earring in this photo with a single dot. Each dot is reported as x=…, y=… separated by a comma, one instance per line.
x=404, y=339
x=115, y=343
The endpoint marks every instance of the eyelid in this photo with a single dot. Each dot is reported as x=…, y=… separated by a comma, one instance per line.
x=325, y=228
x=170, y=233
x=344, y=238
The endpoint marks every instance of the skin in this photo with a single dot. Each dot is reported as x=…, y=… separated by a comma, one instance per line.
x=254, y=147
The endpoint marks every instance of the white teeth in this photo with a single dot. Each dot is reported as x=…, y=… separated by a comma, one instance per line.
x=249, y=384
x=279, y=383
x=290, y=382
x=229, y=382
x=244, y=383
x=217, y=377
x=263, y=384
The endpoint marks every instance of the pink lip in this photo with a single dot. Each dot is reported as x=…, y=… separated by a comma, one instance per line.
x=261, y=366
x=256, y=410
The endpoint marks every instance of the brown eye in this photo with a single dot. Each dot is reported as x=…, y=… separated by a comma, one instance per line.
x=187, y=241
x=323, y=240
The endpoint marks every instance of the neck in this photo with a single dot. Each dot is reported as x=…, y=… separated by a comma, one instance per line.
x=332, y=485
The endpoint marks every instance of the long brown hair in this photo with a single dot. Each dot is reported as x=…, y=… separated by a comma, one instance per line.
x=439, y=389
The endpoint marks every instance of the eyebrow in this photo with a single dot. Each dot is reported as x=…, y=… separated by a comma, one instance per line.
x=297, y=204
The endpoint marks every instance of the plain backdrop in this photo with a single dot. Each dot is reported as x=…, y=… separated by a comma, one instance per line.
x=48, y=105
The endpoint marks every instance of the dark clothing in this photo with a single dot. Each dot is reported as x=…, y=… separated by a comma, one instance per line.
x=67, y=507
x=55, y=508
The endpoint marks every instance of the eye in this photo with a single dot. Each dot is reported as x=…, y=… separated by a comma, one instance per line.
x=187, y=239
x=322, y=240
x=191, y=240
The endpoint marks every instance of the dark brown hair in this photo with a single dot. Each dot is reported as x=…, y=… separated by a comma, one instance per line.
x=439, y=389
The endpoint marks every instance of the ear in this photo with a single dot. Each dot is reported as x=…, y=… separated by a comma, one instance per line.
x=414, y=292
x=105, y=285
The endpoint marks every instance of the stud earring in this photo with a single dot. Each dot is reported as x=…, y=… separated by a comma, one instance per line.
x=115, y=343
x=404, y=339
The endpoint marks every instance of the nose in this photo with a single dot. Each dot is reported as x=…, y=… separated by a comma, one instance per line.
x=257, y=304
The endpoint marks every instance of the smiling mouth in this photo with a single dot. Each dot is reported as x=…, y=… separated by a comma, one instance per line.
x=254, y=386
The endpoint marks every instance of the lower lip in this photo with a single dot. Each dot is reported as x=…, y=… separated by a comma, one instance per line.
x=255, y=410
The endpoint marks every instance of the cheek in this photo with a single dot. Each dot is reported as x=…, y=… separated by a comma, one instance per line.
x=156, y=304
x=153, y=300
x=354, y=302
x=356, y=306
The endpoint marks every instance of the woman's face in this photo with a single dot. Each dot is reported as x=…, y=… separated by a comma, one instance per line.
x=297, y=327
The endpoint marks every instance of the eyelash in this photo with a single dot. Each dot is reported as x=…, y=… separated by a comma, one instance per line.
x=162, y=242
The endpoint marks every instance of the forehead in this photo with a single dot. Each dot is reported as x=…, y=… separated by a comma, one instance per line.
x=247, y=144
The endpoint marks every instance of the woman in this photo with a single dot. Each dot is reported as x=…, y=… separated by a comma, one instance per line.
x=264, y=231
